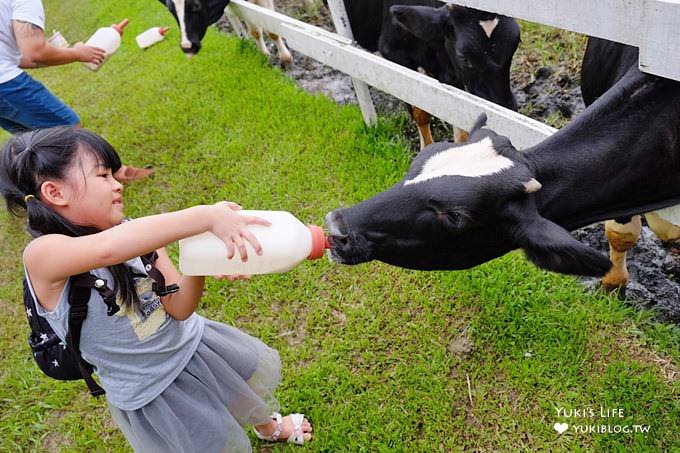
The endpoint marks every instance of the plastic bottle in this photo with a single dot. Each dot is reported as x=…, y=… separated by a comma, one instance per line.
x=107, y=38
x=151, y=36
x=57, y=40
x=285, y=244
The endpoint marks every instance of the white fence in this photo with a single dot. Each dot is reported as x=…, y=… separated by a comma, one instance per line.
x=656, y=31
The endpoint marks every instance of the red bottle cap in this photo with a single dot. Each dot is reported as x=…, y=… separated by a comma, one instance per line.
x=319, y=242
x=119, y=27
x=163, y=30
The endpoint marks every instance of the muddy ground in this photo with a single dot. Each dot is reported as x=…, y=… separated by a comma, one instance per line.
x=549, y=93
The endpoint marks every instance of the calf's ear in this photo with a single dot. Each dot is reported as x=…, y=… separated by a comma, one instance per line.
x=424, y=22
x=551, y=247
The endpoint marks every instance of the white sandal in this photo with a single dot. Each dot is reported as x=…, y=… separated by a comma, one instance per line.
x=296, y=437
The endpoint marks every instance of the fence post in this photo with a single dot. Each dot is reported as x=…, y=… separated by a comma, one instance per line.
x=343, y=28
x=235, y=23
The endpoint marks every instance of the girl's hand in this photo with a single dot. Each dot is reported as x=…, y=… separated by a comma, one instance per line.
x=232, y=228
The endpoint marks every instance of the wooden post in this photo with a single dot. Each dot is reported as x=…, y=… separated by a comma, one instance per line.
x=343, y=28
x=236, y=24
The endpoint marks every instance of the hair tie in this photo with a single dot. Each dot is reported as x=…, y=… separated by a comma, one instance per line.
x=28, y=197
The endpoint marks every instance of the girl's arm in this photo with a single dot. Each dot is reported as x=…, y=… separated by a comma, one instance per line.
x=183, y=303
x=52, y=258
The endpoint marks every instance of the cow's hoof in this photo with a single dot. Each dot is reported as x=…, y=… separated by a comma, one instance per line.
x=615, y=289
x=287, y=61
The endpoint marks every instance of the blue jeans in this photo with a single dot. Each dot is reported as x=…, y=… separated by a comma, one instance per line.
x=25, y=104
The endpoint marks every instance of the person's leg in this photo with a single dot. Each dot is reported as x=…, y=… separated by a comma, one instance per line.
x=127, y=173
x=34, y=106
x=26, y=104
x=8, y=110
x=9, y=125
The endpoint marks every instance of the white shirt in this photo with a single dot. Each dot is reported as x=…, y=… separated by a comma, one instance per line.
x=24, y=10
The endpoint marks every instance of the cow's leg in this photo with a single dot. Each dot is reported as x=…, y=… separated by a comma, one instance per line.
x=622, y=237
x=422, y=119
x=256, y=33
x=284, y=53
x=664, y=229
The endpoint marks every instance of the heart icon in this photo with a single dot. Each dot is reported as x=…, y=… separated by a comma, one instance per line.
x=561, y=427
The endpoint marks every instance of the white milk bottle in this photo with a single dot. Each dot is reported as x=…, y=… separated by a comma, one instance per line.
x=285, y=244
x=151, y=36
x=57, y=40
x=107, y=38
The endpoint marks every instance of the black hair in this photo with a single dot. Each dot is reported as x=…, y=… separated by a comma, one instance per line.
x=31, y=158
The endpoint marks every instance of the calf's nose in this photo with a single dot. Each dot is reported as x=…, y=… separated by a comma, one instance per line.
x=337, y=231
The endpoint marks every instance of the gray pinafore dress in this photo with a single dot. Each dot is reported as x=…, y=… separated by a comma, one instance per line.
x=174, y=386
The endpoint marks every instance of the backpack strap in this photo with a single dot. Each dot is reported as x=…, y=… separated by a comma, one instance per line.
x=79, y=296
x=157, y=276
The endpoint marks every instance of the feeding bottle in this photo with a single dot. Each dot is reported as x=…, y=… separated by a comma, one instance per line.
x=107, y=38
x=285, y=244
x=151, y=36
x=57, y=40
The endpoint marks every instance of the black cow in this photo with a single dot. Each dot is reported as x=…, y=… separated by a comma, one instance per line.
x=605, y=63
x=469, y=49
x=462, y=205
x=195, y=16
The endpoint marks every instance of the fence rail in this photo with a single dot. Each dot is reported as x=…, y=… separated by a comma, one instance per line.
x=652, y=25
x=443, y=101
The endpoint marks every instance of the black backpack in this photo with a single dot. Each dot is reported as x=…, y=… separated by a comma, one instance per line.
x=64, y=361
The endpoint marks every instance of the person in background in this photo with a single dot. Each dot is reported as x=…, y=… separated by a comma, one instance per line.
x=25, y=103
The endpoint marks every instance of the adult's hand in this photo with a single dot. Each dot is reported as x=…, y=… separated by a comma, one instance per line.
x=89, y=54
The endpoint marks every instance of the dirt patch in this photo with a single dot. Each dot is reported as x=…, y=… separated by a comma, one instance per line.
x=550, y=94
x=654, y=272
x=55, y=441
x=629, y=347
x=461, y=346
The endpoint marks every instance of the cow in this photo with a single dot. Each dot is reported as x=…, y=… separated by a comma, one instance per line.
x=463, y=47
x=461, y=205
x=195, y=16
x=605, y=63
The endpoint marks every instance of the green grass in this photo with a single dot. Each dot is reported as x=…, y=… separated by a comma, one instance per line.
x=379, y=357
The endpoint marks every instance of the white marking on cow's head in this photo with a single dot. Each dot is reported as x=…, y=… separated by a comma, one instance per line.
x=179, y=9
x=489, y=26
x=473, y=160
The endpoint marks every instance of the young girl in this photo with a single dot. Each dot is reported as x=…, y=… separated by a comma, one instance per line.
x=174, y=381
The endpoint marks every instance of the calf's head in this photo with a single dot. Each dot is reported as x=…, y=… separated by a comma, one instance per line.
x=473, y=49
x=194, y=17
x=458, y=206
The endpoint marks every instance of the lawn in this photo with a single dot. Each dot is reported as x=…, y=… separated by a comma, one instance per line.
x=380, y=358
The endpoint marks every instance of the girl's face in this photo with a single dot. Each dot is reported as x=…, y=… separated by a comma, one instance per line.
x=94, y=197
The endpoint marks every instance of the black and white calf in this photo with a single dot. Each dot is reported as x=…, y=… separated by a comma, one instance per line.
x=463, y=47
x=195, y=16
x=462, y=205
